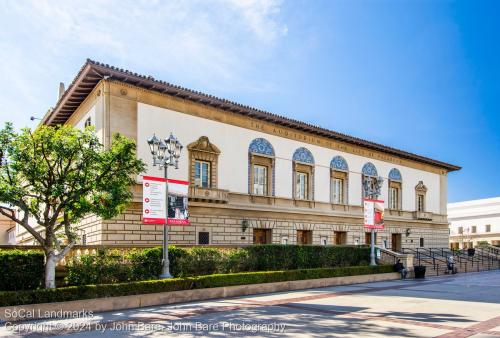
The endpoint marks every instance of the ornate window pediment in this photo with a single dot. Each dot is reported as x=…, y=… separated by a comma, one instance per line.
x=420, y=187
x=203, y=144
x=203, y=154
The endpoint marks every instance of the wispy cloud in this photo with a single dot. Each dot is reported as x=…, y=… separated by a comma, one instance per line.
x=213, y=44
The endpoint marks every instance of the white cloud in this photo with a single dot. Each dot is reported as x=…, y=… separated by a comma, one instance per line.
x=212, y=44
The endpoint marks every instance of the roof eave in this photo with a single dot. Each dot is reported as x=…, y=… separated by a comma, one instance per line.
x=92, y=72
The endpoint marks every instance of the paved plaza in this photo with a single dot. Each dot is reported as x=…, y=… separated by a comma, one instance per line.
x=464, y=305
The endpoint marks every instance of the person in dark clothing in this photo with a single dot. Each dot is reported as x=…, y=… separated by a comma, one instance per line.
x=399, y=267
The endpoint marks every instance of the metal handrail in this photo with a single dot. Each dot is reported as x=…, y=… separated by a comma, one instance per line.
x=419, y=255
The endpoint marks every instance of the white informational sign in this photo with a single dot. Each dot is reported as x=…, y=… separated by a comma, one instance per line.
x=154, y=206
x=373, y=213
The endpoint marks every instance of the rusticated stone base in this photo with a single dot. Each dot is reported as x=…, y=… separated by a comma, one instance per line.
x=228, y=226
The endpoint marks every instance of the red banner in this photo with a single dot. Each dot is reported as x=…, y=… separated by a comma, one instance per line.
x=373, y=214
x=155, y=206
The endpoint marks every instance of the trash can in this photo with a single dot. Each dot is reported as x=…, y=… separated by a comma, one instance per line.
x=419, y=271
x=471, y=251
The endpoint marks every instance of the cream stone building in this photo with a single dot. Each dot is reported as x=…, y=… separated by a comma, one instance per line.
x=7, y=231
x=473, y=222
x=255, y=177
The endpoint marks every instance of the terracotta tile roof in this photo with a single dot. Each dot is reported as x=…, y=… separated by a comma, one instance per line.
x=92, y=72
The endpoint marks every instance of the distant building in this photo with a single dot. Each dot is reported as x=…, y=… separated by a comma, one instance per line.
x=473, y=222
x=255, y=177
x=7, y=231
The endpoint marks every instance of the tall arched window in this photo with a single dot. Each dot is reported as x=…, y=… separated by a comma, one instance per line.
x=303, y=174
x=395, y=189
x=369, y=179
x=261, y=168
x=339, y=176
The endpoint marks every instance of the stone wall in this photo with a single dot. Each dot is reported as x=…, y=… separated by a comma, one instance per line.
x=226, y=226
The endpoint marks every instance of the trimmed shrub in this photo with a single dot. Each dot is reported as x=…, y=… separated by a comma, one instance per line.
x=103, y=268
x=146, y=264
x=11, y=298
x=287, y=257
x=21, y=270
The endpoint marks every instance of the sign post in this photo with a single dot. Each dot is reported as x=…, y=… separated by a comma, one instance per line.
x=374, y=219
x=161, y=206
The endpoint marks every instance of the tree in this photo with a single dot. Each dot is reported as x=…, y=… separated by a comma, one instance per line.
x=55, y=176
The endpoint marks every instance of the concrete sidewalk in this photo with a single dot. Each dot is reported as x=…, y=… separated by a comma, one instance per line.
x=466, y=305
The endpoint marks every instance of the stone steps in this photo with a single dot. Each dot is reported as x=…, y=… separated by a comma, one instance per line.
x=461, y=268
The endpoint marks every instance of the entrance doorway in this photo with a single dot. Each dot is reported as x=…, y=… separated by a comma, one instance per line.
x=262, y=236
x=396, y=242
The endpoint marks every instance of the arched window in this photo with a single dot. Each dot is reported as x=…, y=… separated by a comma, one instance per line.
x=339, y=176
x=261, y=168
x=203, y=158
x=369, y=180
x=303, y=174
x=395, y=189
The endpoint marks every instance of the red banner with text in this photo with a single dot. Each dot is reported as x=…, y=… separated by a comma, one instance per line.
x=155, y=206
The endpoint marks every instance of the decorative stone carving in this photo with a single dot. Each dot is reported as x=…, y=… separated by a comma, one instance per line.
x=203, y=144
x=420, y=187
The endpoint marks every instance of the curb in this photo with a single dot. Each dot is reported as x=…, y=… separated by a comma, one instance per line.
x=57, y=310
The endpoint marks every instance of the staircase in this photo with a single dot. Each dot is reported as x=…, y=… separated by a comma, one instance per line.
x=435, y=260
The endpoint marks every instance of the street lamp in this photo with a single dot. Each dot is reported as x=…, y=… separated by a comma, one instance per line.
x=165, y=153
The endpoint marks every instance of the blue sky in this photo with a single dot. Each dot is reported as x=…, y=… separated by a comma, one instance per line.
x=422, y=76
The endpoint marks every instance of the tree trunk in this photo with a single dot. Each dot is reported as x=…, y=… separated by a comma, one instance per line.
x=50, y=271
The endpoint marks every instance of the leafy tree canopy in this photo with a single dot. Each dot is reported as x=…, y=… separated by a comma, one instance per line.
x=54, y=176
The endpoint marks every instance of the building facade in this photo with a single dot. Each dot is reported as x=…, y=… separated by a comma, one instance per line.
x=474, y=222
x=255, y=177
x=7, y=231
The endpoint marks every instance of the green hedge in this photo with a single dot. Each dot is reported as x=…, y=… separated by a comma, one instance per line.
x=110, y=267
x=11, y=298
x=21, y=270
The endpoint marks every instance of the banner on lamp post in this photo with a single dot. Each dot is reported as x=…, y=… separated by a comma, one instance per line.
x=373, y=214
x=178, y=213
x=154, y=203
x=154, y=206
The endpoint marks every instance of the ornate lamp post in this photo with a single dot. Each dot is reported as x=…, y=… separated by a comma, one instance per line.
x=165, y=153
x=372, y=187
